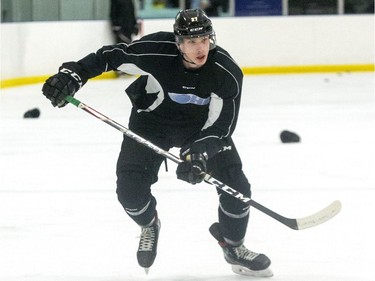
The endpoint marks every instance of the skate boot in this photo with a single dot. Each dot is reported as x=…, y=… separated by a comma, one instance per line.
x=242, y=260
x=148, y=243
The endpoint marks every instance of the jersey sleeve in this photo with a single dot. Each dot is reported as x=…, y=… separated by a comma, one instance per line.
x=223, y=109
x=111, y=57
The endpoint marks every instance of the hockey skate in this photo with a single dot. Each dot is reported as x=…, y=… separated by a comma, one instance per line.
x=242, y=260
x=148, y=243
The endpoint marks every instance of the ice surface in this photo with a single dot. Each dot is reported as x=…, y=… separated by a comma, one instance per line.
x=60, y=219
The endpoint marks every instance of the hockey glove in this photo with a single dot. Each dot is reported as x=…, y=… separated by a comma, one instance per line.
x=60, y=85
x=193, y=170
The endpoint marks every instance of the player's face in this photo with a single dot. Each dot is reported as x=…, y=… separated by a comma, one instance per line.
x=195, y=51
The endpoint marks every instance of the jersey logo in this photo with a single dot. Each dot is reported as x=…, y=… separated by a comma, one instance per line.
x=188, y=98
x=229, y=147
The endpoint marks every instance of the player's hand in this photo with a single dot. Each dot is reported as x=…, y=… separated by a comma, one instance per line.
x=60, y=85
x=193, y=169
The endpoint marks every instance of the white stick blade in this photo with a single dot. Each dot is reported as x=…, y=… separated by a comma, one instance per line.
x=320, y=217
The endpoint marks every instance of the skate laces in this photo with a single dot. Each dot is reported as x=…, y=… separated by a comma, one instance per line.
x=243, y=253
x=147, y=241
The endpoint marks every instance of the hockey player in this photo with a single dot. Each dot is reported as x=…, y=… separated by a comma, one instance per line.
x=187, y=96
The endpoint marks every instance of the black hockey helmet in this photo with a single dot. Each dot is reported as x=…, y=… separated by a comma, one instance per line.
x=192, y=23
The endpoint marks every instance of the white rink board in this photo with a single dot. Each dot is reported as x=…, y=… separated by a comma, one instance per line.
x=39, y=48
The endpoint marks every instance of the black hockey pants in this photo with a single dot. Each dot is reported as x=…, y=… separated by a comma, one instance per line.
x=137, y=170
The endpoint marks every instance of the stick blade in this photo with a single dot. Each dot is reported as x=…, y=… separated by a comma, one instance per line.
x=320, y=217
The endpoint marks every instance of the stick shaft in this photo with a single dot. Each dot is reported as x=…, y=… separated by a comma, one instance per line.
x=123, y=129
x=154, y=147
x=318, y=218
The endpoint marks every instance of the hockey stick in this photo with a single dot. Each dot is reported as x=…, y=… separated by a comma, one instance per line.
x=297, y=224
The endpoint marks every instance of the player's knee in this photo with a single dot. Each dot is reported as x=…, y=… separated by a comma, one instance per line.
x=133, y=187
x=235, y=178
x=134, y=193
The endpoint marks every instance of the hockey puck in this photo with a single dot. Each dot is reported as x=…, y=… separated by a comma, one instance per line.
x=32, y=113
x=288, y=137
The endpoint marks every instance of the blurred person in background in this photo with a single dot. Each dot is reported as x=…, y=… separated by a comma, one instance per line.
x=123, y=21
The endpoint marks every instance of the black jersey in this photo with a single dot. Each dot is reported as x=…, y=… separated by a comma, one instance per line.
x=168, y=94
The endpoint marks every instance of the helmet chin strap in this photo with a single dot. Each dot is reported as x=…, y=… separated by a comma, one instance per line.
x=191, y=62
x=183, y=56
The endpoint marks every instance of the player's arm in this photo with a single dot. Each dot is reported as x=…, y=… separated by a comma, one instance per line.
x=73, y=75
x=221, y=122
x=222, y=117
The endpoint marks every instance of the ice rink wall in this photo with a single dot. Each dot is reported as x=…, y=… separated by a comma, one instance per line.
x=32, y=51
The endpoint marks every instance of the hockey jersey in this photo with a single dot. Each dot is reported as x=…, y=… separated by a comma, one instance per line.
x=168, y=95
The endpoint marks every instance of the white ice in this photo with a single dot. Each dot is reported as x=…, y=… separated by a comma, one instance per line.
x=60, y=219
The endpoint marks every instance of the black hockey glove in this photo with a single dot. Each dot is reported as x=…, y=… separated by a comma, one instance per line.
x=193, y=169
x=60, y=85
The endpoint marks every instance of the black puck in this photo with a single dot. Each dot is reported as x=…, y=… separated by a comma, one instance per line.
x=288, y=137
x=32, y=113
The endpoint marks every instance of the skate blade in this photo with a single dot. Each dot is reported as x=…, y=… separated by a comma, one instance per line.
x=238, y=269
